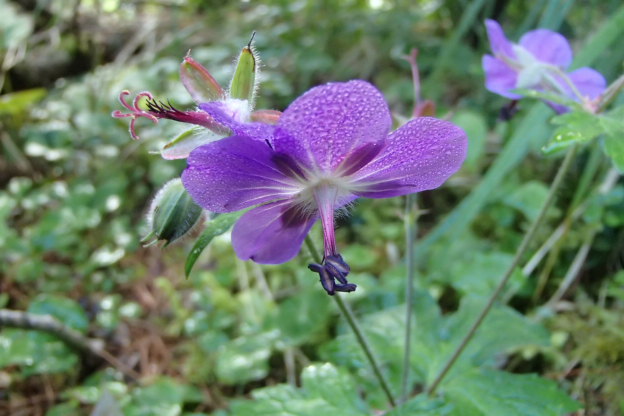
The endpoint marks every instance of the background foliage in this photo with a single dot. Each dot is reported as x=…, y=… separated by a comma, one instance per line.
x=239, y=339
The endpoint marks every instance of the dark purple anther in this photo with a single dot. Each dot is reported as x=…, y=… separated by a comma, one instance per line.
x=333, y=268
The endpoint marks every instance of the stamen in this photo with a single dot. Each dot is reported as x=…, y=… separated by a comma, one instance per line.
x=333, y=268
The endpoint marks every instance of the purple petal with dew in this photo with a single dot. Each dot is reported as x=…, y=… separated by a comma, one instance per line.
x=548, y=46
x=271, y=233
x=499, y=43
x=234, y=173
x=418, y=156
x=254, y=130
x=500, y=78
x=322, y=127
x=589, y=82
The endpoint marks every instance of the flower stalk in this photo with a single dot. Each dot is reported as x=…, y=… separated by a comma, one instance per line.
x=357, y=331
x=522, y=249
x=411, y=215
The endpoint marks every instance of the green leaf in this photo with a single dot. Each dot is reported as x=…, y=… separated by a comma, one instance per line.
x=165, y=397
x=528, y=198
x=325, y=390
x=246, y=358
x=613, y=125
x=435, y=337
x=574, y=127
x=36, y=352
x=489, y=392
x=217, y=226
x=422, y=405
x=614, y=148
x=18, y=102
x=66, y=310
x=293, y=317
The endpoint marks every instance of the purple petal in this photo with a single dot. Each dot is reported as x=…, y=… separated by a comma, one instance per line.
x=588, y=81
x=254, y=130
x=499, y=77
x=271, y=233
x=420, y=155
x=548, y=46
x=323, y=126
x=498, y=41
x=234, y=173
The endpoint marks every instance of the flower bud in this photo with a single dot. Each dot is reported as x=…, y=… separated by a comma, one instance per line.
x=198, y=81
x=243, y=84
x=172, y=215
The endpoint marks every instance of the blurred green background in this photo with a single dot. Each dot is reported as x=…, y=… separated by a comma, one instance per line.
x=75, y=189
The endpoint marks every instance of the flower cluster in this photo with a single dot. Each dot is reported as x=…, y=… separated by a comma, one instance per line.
x=539, y=62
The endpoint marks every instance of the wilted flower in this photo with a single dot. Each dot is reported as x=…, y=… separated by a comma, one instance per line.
x=329, y=147
x=539, y=61
x=237, y=102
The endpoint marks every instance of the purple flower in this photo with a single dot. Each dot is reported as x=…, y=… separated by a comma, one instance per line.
x=329, y=147
x=538, y=62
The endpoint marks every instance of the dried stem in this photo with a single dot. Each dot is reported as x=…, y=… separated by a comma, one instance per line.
x=524, y=246
x=357, y=331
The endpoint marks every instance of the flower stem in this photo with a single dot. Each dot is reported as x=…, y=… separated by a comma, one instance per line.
x=411, y=214
x=524, y=246
x=357, y=331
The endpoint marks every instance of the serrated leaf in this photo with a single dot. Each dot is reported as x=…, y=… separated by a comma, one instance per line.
x=435, y=337
x=325, y=390
x=489, y=392
x=574, y=127
x=217, y=226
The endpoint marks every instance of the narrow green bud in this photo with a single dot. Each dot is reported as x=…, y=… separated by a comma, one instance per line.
x=172, y=215
x=198, y=81
x=243, y=84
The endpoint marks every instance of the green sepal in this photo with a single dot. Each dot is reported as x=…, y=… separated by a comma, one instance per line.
x=217, y=226
x=198, y=81
x=243, y=83
x=172, y=215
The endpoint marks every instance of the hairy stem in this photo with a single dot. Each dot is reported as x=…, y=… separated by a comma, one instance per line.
x=357, y=331
x=410, y=235
x=522, y=249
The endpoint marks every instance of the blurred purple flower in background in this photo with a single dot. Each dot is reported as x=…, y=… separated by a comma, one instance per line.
x=329, y=147
x=539, y=61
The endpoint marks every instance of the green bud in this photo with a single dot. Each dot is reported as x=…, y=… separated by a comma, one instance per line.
x=198, y=81
x=172, y=215
x=243, y=84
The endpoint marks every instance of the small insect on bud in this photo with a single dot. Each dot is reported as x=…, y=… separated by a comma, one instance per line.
x=198, y=81
x=172, y=215
x=243, y=84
